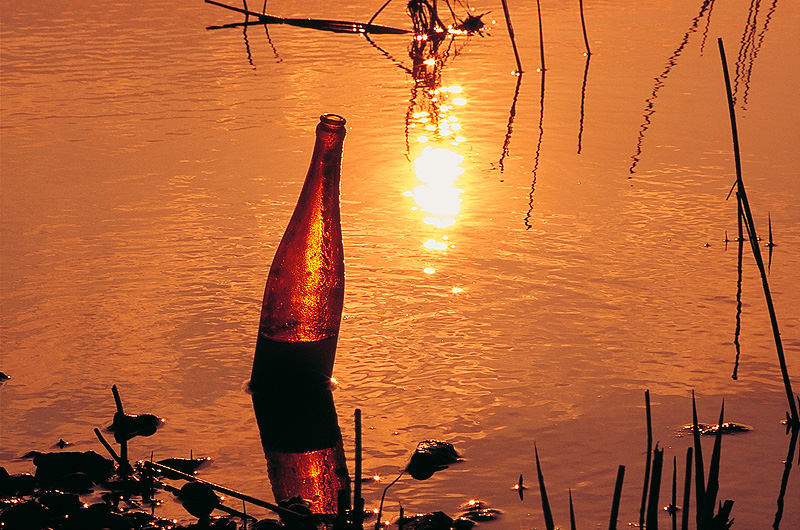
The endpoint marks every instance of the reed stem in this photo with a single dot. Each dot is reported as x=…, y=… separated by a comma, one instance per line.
x=687, y=490
x=511, y=34
x=655, y=487
x=754, y=240
x=649, y=457
x=612, y=523
x=541, y=35
x=583, y=25
x=358, y=502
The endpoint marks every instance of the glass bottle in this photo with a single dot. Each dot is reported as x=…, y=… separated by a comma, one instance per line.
x=297, y=337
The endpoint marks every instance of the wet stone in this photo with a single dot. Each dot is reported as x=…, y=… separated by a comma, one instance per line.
x=428, y=521
x=429, y=457
x=476, y=510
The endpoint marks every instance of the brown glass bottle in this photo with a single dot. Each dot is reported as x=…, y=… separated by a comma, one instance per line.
x=297, y=338
x=303, y=298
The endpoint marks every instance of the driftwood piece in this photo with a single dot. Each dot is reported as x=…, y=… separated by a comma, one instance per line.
x=337, y=26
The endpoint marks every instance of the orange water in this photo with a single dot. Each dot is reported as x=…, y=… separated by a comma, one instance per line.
x=507, y=293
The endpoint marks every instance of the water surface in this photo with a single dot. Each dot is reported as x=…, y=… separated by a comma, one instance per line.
x=521, y=293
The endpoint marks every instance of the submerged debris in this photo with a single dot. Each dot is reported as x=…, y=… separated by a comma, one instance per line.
x=728, y=427
x=427, y=521
x=476, y=510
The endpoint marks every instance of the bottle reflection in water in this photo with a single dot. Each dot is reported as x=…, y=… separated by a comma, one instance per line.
x=297, y=338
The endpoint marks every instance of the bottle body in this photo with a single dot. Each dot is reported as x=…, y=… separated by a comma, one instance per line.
x=304, y=294
x=297, y=338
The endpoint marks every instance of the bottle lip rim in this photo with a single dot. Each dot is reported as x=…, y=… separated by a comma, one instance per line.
x=333, y=119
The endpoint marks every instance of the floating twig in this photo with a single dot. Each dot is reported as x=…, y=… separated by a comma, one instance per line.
x=110, y=449
x=123, y=443
x=378, y=12
x=337, y=26
x=292, y=515
x=383, y=496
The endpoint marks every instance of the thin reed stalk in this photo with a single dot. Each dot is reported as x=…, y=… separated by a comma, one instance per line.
x=358, y=502
x=541, y=35
x=378, y=12
x=511, y=34
x=673, y=505
x=649, y=458
x=687, y=490
x=754, y=240
x=612, y=523
x=583, y=25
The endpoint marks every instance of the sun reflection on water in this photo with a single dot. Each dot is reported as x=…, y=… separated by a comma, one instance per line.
x=437, y=195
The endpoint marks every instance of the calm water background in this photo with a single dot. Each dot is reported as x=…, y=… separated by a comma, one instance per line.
x=149, y=167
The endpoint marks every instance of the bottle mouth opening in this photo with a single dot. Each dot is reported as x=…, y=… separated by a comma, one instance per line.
x=332, y=119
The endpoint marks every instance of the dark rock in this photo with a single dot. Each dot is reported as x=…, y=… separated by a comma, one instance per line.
x=28, y=515
x=198, y=499
x=476, y=510
x=101, y=516
x=60, y=503
x=429, y=457
x=428, y=521
x=52, y=467
x=727, y=427
x=127, y=426
x=14, y=485
x=184, y=465
x=463, y=524
x=267, y=524
x=78, y=482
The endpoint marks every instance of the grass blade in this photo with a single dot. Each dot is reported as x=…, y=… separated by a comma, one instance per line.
x=548, y=516
x=710, y=497
x=699, y=473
